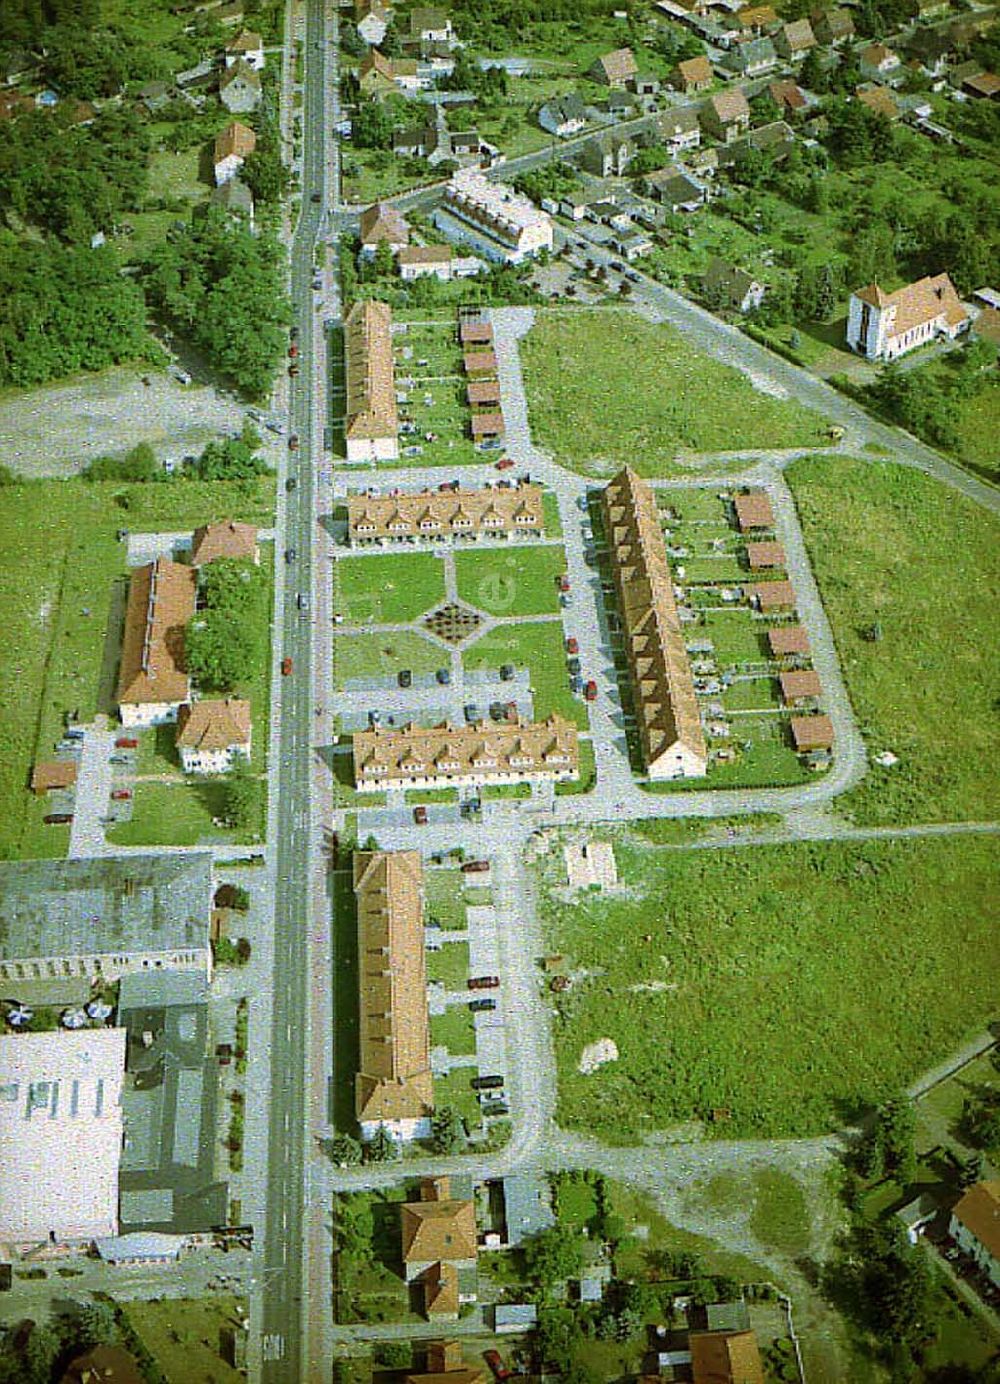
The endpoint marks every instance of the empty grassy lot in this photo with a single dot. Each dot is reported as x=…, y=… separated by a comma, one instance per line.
x=382, y=655
x=833, y=973
x=443, y=898
x=606, y=387
x=168, y=814
x=537, y=646
x=892, y=546
x=454, y=1030
x=511, y=581
x=183, y=1336
x=454, y=1090
x=389, y=588
x=449, y=965
x=62, y=587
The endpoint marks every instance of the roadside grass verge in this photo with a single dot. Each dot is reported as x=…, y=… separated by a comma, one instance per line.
x=511, y=581
x=605, y=387
x=390, y=589
x=894, y=548
x=835, y=972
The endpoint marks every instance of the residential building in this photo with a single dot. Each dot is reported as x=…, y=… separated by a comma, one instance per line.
x=152, y=681
x=509, y=1317
x=794, y=40
x=772, y=597
x=371, y=422
x=632, y=244
x=884, y=326
x=788, y=641
x=879, y=100
x=227, y=538
x=620, y=104
x=984, y=86
x=987, y=325
x=248, y=47
x=445, y=1364
x=751, y=21
x=975, y=1227
x=475, y=334
x=732, y=287
x=235, y=199
x=394, y=1088
x=879, y=63
x=775, y=139
x=500, y=223
x=676, y=190
x=154, y=96
x=439, y=1247
x=666, y=709
x=372, y=22
x=240, y=88
x=607, y=155
x=425, y=261
x=789, y=98
x=479, y=364
x=615, y=69
x=564, y=115
x=692, y=75
x=468, y=755
x=833, y=26
x=212, y=733
x=800, y=687
x=645, y=84
x=726, y=115
x=60, y=1134
x=811, y=733
x=487, y=426
x=482, y=393
x=527, y=1206
x=753, y=511
x=232, y=149
x=381, y=76
x=751, y=57
x=105, y=916
x=382, y=221
x=431, y=25
x=725, y=1357
x=765, y=556
x=679, y=128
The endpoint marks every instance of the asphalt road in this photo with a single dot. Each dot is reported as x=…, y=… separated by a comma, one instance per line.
x=284, y=1238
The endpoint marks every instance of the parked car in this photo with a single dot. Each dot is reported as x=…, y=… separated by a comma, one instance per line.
x=563, y=582
x=471, y=712
x=572, y=645
x=293, y=351
x=293, y=442
x=483, y=982
x=121, y=795
x=496, y=711
x=57, y=819
x=290, y=554
x=302, y=600
x=286, y=667
x=420, y=815
x=506, y=672
x=633, y=277
x=496, y=1364
x=510, y=711
x=293, y=369
x=316, y=196
x=495, y=1107
x=574, y=665
x=486, y=1083
x=475, y=867
x=481, y=1006
x=404, y=677
x=590, y=690
x=290, y=484
x=504, y=464
x=443, y=676
x=126, y=742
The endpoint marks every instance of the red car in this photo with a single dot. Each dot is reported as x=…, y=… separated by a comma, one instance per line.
x=572, y=645
x=293, y=442
x=293, y=351
x=286, y=667
x=590, y=691
x=504, y=464
x=563, y=582
x=122, y=795
x=126, y=742
x=420, y=816
x=483, y=982
x=494, y=1359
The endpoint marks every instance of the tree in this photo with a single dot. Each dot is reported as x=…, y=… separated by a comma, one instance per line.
x=553, y=1255
x=373, y=126
x=448, y=1130
x=393, y=1355
x=971, y=1170
x=382, y=1147
x=818, y=291
x=228, y=460
x=558, y=1335
x=385, y=263
x=243, y=797
x=345, y=1151
x=354, y=1224
x=263, y=170
x=218, y=656
x=94, y=1324
x=139, y=464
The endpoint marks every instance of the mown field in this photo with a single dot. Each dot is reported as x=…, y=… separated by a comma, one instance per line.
x=62, y=585
x=892, y=547
x=606, y=387
x=790, y=986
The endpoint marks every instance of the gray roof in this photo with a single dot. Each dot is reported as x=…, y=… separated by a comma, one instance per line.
x=161, y=989
x=234, y=196
x=515, y=1314
x=141, y=1245
x=568, y=107
x=679, y=121
x=527, y=1207
x=748, y=54
x=109, y=904
x=727, y=1316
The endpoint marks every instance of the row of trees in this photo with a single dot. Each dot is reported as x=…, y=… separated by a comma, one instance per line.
x=227, y=640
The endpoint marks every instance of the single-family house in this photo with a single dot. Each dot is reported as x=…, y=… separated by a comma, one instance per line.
x=204, y=74
x=645, y=84
x=232, y=149
x=771, y=597
x=692, y=75
x=765, y=556
x=439, y=1248
x=725, y=1357
x=248, y=47
x=787, y=96
x=774, y=139
x=235, y=199
x=879, y=63
x=444, y=1363
x=487, y=426
x=788, y=641
x=675, y=190
x=732, y=287
x=380, y=76
x=884, y=326
x=154, y=96
x=679, y=128
x=880, y=101
x=631, y=244
x=750, y=21
x=975, y=1227
x=240, y=88
x=425, y=262
x=383, y=221
x=431, y=25
x=372, y=22
x=751, y=57
x=212, y=733
x=811, y=734
x=794, y=40
x=564, y=115
x=607, y=155
x=228, y=538
x=984, y=86
x=616, y=69
x=53, y=775
x=726, y=115
x=833, y=26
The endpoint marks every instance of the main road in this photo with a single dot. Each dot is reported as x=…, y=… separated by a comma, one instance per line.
x=282, y=1267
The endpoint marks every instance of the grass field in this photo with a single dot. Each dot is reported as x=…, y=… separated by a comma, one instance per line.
x=167, y=814
x=454, y=1090
x=387, y=590
x=382, y=655
x=449, y=965
x=891, y=545
x=511, y=581
x=537, y=646
x=606, y=387
x=444, y=899
x=834, y=973
x=182, y=1335
x=454, y=1030
x=62, y=586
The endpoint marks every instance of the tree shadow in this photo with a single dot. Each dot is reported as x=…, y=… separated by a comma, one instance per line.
x=107, y=684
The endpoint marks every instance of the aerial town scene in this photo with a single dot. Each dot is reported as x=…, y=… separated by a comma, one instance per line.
x=499, y=593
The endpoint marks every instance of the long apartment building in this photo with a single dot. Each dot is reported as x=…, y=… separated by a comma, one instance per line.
x=422, y=757
x=371, y=421
x=501, y=223
x=152, y=681
x=439, y=515
x=394, y=1087
x=666, y=709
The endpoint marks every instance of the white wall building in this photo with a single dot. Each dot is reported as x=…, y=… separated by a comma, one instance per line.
x=883, y=326
x=494, y=218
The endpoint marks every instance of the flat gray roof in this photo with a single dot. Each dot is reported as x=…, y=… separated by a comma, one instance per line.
x=110, y=904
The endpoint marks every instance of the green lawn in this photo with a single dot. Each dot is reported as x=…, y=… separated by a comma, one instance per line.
x=588, y=773
x=167, y=814
x=773, y=1202
x=62, y=587
x=834, y=973
x=537, y=646
x=891, y=545
x=550, y=509
x=606, y=387
x=182, y=1336
x=511, y=581
x=454, y=1030
x=454, y=1090
x=449, y=965
x=383, y=655
x=388, y=589
x=443, y=899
